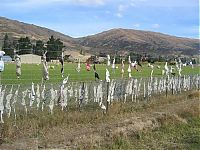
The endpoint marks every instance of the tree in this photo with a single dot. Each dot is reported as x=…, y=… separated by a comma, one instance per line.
x=24, y=46
x=39, y=48
x=54, y=48
x=7, y=46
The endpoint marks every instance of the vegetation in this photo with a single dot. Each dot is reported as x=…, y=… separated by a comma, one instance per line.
x=54, y=48
x=171, y=123
x=25, y=46
x=7, y=46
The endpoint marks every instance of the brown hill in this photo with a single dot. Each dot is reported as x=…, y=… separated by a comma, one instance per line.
x=140, y=41
x=18, y=29
x=107, y=41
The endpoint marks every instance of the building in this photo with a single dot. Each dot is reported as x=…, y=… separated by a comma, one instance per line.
x=30, y=59
x=6, y=58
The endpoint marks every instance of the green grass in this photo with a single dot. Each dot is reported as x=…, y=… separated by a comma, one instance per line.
x=33, y=73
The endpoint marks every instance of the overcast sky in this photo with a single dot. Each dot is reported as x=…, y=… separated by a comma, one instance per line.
x=85, y=17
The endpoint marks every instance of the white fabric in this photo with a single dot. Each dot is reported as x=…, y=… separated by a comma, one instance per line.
x=43, y=97
x=144, y=88
x=99, y=93
x=95, y=93
x=134, y=64
x=78, y=69
x=70, y=91
x=32, y=94
x=23, y=102
x=45, y=67
x=113, y=64
x=151, y=73
x=166, y=69
x=1, y=102
x=1, y=65
x=2, y=53
x=38, y=96
x=107, y=75
x=111, y=92
x=15, y=97
x=108, y=58
x=45, y=71
x=52, y=100
x=8, y=98
x=135, y=86
x=129, y=69
x=76, y=94
x=122, y=68
x=18, y=66
x=129, y=59
x=64, y=101
x=86, y=93
x=103, y=107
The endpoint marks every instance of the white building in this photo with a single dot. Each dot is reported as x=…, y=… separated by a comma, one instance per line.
x=30, y=59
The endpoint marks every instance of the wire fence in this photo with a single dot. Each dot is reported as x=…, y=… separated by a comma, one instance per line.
x=45, y=97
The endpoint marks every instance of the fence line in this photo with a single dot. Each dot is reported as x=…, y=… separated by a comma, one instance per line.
x=24, y=97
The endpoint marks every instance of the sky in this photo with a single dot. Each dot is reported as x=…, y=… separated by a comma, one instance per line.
x=79, y=18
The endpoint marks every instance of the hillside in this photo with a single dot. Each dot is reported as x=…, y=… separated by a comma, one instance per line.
x=17, y=29
x=140, y=41
x=115, y=40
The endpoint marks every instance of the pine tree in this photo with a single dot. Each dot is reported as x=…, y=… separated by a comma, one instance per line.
x=54, y=48
x=24, y=46
x=39, y=48
x=7, y=46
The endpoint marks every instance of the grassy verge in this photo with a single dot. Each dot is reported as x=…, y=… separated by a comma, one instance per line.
x=175, y=136
x=178, y=129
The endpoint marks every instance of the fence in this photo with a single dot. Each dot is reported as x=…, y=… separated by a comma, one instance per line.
x=23, y=98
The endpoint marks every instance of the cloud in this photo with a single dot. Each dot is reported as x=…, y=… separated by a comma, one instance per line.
x=122, y=8
x=137, y=25
x=119, y=15
x=87, y=2
x=107, y=12
x=127, y=4
x=39, y=3
x=134, y=3
x=155, y=26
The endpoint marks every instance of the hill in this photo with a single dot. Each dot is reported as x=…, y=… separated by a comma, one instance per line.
x=111, y=41
x=140, y=41
x=18, y=29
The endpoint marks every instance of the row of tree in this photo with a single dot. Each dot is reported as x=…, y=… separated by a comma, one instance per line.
x=24, y=46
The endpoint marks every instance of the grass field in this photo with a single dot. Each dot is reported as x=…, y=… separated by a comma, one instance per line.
x=33, y=73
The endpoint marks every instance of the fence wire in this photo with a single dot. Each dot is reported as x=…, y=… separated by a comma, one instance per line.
x=44, y=97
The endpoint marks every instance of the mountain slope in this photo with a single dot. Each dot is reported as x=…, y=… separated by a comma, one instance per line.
x=140, y=41
x=115, y=40
x=17, y=29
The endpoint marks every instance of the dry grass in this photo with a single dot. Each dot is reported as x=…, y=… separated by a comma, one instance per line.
x=93, y=126
x=194, y=94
